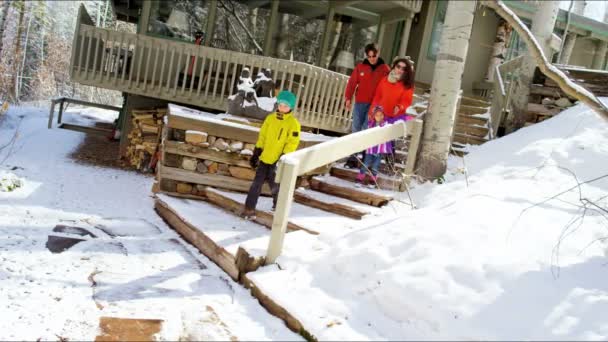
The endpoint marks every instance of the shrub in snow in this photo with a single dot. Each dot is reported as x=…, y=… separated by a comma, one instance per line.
x=10, y=182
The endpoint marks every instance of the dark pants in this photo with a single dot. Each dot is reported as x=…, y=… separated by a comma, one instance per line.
x=264, y=173
x=372, y=162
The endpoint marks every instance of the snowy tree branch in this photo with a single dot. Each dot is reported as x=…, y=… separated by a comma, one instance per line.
x=232, y=11
x=570, y=88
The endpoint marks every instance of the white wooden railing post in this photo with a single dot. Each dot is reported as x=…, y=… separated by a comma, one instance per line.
x=294, y=164
x=286, y=176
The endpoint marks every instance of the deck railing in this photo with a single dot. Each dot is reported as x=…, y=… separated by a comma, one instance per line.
x=198, y=75
x=503, y=85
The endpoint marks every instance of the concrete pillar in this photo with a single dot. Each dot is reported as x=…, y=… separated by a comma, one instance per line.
x=274, y=14
x=564, y=57
x=210, y=29
x=405, y=37
x=600, y=55
x=329, y=20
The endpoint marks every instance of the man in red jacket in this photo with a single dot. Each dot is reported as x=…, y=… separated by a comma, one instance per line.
x=363, y=82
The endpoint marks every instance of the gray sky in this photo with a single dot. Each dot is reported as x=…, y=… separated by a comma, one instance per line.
x=595, y=8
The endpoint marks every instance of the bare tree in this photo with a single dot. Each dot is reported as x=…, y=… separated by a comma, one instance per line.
x=5, y=7
x=570, y=88
x=445, y=90
x=15, y=81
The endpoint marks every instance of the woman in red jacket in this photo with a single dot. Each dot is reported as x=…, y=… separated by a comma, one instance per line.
x=395, y=92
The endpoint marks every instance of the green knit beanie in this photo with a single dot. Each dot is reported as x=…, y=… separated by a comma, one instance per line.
x=288, y=98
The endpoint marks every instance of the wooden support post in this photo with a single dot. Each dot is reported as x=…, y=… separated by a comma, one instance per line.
x=210, y=23
x=286, y=176
x=274, y=13
x=51, y=112
x=329, y=20
x=60, y=114
x=145, y=17
x=380, y=32
x=405, y=37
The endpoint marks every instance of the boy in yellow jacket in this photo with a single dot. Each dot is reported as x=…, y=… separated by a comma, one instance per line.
x=280, y=134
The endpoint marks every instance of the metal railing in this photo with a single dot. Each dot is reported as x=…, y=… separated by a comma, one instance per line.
x=503, y=86
x=310, y=158
x=198, y=75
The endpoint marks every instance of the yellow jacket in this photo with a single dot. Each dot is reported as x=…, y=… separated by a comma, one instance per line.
x=278, y=136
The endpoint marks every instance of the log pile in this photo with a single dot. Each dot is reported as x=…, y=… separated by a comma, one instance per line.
x=547, y=99
x=144, y=138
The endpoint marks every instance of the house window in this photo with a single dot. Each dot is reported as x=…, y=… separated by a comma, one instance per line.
x=180, y=19
x=438, y=20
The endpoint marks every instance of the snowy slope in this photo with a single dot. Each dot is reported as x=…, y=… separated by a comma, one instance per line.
x=140, y=268
x=494, y=259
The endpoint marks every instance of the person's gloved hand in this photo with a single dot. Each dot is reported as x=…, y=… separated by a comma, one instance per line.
x=255, y=158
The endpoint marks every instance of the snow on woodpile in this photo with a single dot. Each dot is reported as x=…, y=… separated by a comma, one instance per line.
x=515, y=254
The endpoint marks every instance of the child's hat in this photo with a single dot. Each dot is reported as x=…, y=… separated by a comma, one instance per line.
x=288, y=98
x=378, y=108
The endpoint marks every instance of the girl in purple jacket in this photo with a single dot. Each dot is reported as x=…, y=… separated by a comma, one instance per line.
x=374, y=154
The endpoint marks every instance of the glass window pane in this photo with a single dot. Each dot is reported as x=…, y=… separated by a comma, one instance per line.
x=438, y=21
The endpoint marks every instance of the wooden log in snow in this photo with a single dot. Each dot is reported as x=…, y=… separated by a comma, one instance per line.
x=348, y=193
x=262, y=217
x=350, y=175
x=334, y=208
x=202, y=242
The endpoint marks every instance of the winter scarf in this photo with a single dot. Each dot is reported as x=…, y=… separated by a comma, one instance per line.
x=393, y=77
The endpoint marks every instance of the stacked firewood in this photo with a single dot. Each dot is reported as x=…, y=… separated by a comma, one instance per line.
x=199, y=153
x=144, y=138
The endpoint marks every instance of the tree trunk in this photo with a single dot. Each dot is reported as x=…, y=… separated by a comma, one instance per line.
x=542, y=29
x=534, y=47
x=333, y=44
x=22, y=68
x=253, y=24
x=344, y=43
x=5, y=7
x=15, y=81
x=282, y=37
x=503, y=35
x=445, y=89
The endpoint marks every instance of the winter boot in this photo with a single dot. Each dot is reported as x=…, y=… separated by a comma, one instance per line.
x=373, y=182
x=359, y=180
x=248, y=214
x=352, y=162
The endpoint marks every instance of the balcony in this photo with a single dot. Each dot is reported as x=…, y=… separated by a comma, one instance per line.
x=197, y=75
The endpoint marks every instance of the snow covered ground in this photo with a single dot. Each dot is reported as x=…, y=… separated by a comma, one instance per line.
x=519, y=253
x=512, y=250
x=126, y=263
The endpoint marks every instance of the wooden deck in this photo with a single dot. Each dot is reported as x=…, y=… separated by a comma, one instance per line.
x=158, y=68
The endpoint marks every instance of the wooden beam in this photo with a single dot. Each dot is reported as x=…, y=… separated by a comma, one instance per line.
x=334, y=208
x=205, y=153
x=196, y=237
x=87, y=129
x=219, y=181
x=384, y=182
x=262, y=217
x=348, y=193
